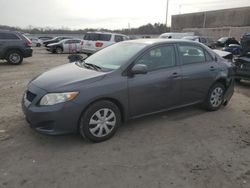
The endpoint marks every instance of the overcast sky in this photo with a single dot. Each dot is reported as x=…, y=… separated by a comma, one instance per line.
x=110, y=14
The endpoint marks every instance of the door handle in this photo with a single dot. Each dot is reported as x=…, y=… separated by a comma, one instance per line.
x=212, y=68
x=175, y=75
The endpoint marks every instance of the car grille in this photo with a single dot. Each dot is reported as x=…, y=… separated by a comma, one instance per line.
x=30, y=96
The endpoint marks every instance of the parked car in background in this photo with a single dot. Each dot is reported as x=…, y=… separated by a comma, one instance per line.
x=94, y=41
x=44, y=38
x=235, y=49
x=226, y=41
x=55, y=40
x=36, y=42
x=175, y=35
x=124, y=81
x=14, y=46
x=204, y=40
x=66, y=46
x=242, y=68
x=245, y=43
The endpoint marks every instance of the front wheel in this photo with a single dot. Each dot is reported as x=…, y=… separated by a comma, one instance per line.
x=100, y=121
x=59, y=50
x=215, y=97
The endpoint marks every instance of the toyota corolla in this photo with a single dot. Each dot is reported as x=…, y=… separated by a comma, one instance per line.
x=124, y=81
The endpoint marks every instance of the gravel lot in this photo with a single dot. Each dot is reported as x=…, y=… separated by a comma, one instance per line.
x=188, y=148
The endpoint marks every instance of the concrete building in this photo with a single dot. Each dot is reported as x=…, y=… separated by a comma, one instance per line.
x=227, y=22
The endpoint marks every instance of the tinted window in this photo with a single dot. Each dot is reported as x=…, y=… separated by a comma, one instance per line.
x=91, y=36
x=160, y=57
x=96, y=36
x=191, y=54
x=118, y=38
x=8, y=36
x=104, y=37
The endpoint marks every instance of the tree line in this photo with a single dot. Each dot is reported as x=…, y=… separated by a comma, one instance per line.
x=148, y=29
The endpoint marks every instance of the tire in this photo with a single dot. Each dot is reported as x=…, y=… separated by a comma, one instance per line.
x=59, y=50
x=215, y=97
x=98, y=129
x=14, y=57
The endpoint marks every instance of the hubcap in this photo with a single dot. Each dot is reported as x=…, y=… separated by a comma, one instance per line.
x=14, y=58
x=216, y=97
x=102, y=122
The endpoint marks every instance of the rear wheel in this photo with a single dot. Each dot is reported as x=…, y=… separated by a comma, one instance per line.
x=14, y=57
x=215, y=97
x=100, y=121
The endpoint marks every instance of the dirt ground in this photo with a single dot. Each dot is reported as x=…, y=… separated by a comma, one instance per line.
x=186, y=148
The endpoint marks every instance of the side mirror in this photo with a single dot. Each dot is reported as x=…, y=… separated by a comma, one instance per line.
x=139, y=69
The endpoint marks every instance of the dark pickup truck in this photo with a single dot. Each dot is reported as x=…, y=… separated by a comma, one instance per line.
x=14, y=47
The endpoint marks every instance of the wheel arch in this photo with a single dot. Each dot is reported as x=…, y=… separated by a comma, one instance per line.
x=12, y=49
x=113, y=100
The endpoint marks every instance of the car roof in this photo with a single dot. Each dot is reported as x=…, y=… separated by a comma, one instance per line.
x=100, y=32
x=160, y=41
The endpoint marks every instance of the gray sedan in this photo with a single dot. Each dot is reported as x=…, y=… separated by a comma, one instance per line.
x=125, y=81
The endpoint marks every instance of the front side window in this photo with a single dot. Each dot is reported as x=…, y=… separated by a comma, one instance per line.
x=158, y=58
x=191, y=54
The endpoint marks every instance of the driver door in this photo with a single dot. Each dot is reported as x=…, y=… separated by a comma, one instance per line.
x=159, y=88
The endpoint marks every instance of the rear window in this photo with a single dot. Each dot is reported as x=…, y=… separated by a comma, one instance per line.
x=96, y=36
x=8, y=36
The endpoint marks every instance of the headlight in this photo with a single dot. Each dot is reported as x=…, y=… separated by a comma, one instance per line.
x=55, y=98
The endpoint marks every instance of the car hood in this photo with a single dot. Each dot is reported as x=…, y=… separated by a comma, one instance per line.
x=64, y=76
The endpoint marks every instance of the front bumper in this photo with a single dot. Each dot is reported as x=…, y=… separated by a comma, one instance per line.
x=52, y=120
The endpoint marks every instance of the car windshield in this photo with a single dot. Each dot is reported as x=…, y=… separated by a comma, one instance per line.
x=113, y=57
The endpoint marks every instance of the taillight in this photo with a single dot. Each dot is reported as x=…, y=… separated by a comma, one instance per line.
x=28, y=42
x=98, y=44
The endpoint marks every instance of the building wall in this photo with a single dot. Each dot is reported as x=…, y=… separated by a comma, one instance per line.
x=218, y=32
x=227, y=22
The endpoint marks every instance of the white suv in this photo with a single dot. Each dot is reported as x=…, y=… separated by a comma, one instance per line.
x=94, y=41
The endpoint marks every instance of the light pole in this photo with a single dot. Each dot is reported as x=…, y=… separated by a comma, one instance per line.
x=167, y=14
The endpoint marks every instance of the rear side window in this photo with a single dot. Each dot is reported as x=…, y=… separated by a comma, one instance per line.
x=191, y=54
x=96, y=36
x=8, y=36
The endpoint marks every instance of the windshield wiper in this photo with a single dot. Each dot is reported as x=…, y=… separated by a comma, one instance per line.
x=96, y=67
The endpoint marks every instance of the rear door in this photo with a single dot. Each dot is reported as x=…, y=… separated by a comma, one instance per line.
x=199, y=71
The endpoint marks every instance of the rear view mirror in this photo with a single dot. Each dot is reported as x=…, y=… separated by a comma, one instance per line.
x=139, y=69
